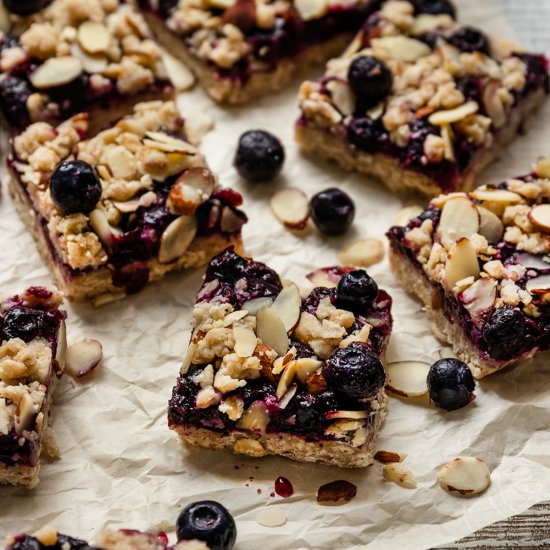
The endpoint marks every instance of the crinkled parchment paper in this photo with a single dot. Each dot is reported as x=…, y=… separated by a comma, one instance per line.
x=122, y=467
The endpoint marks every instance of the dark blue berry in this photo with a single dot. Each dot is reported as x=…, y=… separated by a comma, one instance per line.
x=370, y=79
x=75, y=187
x=311, y=303
x=209, y=522
x=14, y=93
x=260, y=156
x=468, y=39
x=22, y=322
x=166, y=6
x=504, y=331
x=24, y=7
x=451, y=384
x=332, y=211
x=434, y=7
x=354, y=371
x=356, y=291
x=366, y=134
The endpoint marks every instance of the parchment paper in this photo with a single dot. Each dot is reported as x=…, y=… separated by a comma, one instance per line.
x=122, y=467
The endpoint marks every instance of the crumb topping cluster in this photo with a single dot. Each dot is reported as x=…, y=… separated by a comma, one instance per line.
x=490, y=248
x=464, y=96
x=129, y=158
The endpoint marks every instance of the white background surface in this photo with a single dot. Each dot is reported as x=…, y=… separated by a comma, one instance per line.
x=122, y=467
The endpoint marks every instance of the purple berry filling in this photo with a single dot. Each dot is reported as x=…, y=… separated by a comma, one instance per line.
x=64, y=542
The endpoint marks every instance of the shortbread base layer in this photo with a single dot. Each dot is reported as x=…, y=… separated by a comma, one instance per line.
x=97, y=284
x=234, y=91
x=333, y=453
x=335, y=146
x=417, y=284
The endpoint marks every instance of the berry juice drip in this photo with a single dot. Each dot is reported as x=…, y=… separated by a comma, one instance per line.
x=283, y=487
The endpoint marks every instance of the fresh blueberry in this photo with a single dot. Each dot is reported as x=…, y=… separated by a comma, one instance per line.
x=22, y=322
x=260, y=156
x=370, y=79
x=24, y=7
x=451, y=384
x=166, y=6
x=434, y=7
x=504, y=332
x=366, y=133
x=332, y=211
x=354, y=371
x=356, y=291
x=468, y=39
x=14, y=93
x=75, y=187
x=208, y=521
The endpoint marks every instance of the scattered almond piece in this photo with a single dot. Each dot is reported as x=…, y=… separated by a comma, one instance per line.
x=291, y=207
x=271, y=517
x=540, y=217
x=387, y=457
x=442, y=118
x=400, y=475
x=336, y=492
x=83, y=357
x=56, y=71
x=490, y=194
x=407, y=378
x=464, y=476
x=363, y=253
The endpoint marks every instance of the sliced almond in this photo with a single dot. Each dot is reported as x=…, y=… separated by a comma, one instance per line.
x=287, y=397
x=291, y=207
x=542, y=168
x=450, y=116
x=538, y=285
x=176, y=239
x=83, y=357
x=221, y=4
x=254, y=306
x=271, y=517
x=459, y=219
x=342, y=96
x=245, y=340
x=190, y=190
x=408, y=213
x=5, y=22
x=352, y=415
x=407, y=378
x=61, y=351
x=448, y=147
x=311, y=9
x=168, y=144
x=540, y=217
x=363, y=253
x=304, y=366
x=24, y=414
x=90, y=63
x=464, y=476
x=461, y=263
x=287, y=306
x=234, y=316
x=188, y=359
x=400, y=48
x=493, y=104
x=387, y=457
x=400, y=475
x=180, y=76
x=286, y=379
x=230, y=221
x=255, y=418
x=249, y=447
x=94, y=37
x=102, y=228
x=490, y=225
x=56, y=71
x=533, y=262
x=326, y=277
x=496, y=195
x=480, y=297
x=271, y=330
x=425, y=22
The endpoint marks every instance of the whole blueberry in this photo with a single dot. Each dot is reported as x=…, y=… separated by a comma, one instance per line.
x=260, y=156
x=75, y=187
x=503, y=332
x=434, y=7
x=366, y=133
x=370, y=79
x=354, y=371
x=24, y=7
x=356, y=291
x=208, y=521
x=332, y=211
x=22, y=322
x=451, y=384
x=468, y=39
x=14, y=93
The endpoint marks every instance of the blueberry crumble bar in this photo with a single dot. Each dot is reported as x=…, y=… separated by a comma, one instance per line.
x=271, y=371
x=32, y=359
x=120, y=209
x=72, y=56
x=419, y=100
x=480, y=263
x=241, y=49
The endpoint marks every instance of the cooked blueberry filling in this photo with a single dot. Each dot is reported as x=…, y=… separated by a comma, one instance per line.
x=64, y=542
x=14, y=92
x=468, y=39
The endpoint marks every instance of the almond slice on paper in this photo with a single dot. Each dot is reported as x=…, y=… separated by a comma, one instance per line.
x=271, y=330
x=461, y=263
x=291, y=207
x=490, y=225
x=449, y=116
x=363, y=253
x=94, y=37
x=400, y=48
x=176, y=238
x=464, y=476
x=83, y=357
x=56, y=71
x=407, y=378
x=245, y=340
x=459, y=218
x=287, y=306
x=540, y=217
x=271, y=517
x=387, y=457
x=538, y=285
x=542, y=168
x=311, y=9
x=496, y=195
x=399, y=474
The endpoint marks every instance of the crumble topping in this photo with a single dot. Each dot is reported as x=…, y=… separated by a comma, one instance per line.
x=20, y=362
x=20, y=397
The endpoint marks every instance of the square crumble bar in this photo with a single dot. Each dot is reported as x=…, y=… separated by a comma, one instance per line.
x=260, y=376
x=453, y=100
x=479, y=262
x=160, y=208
